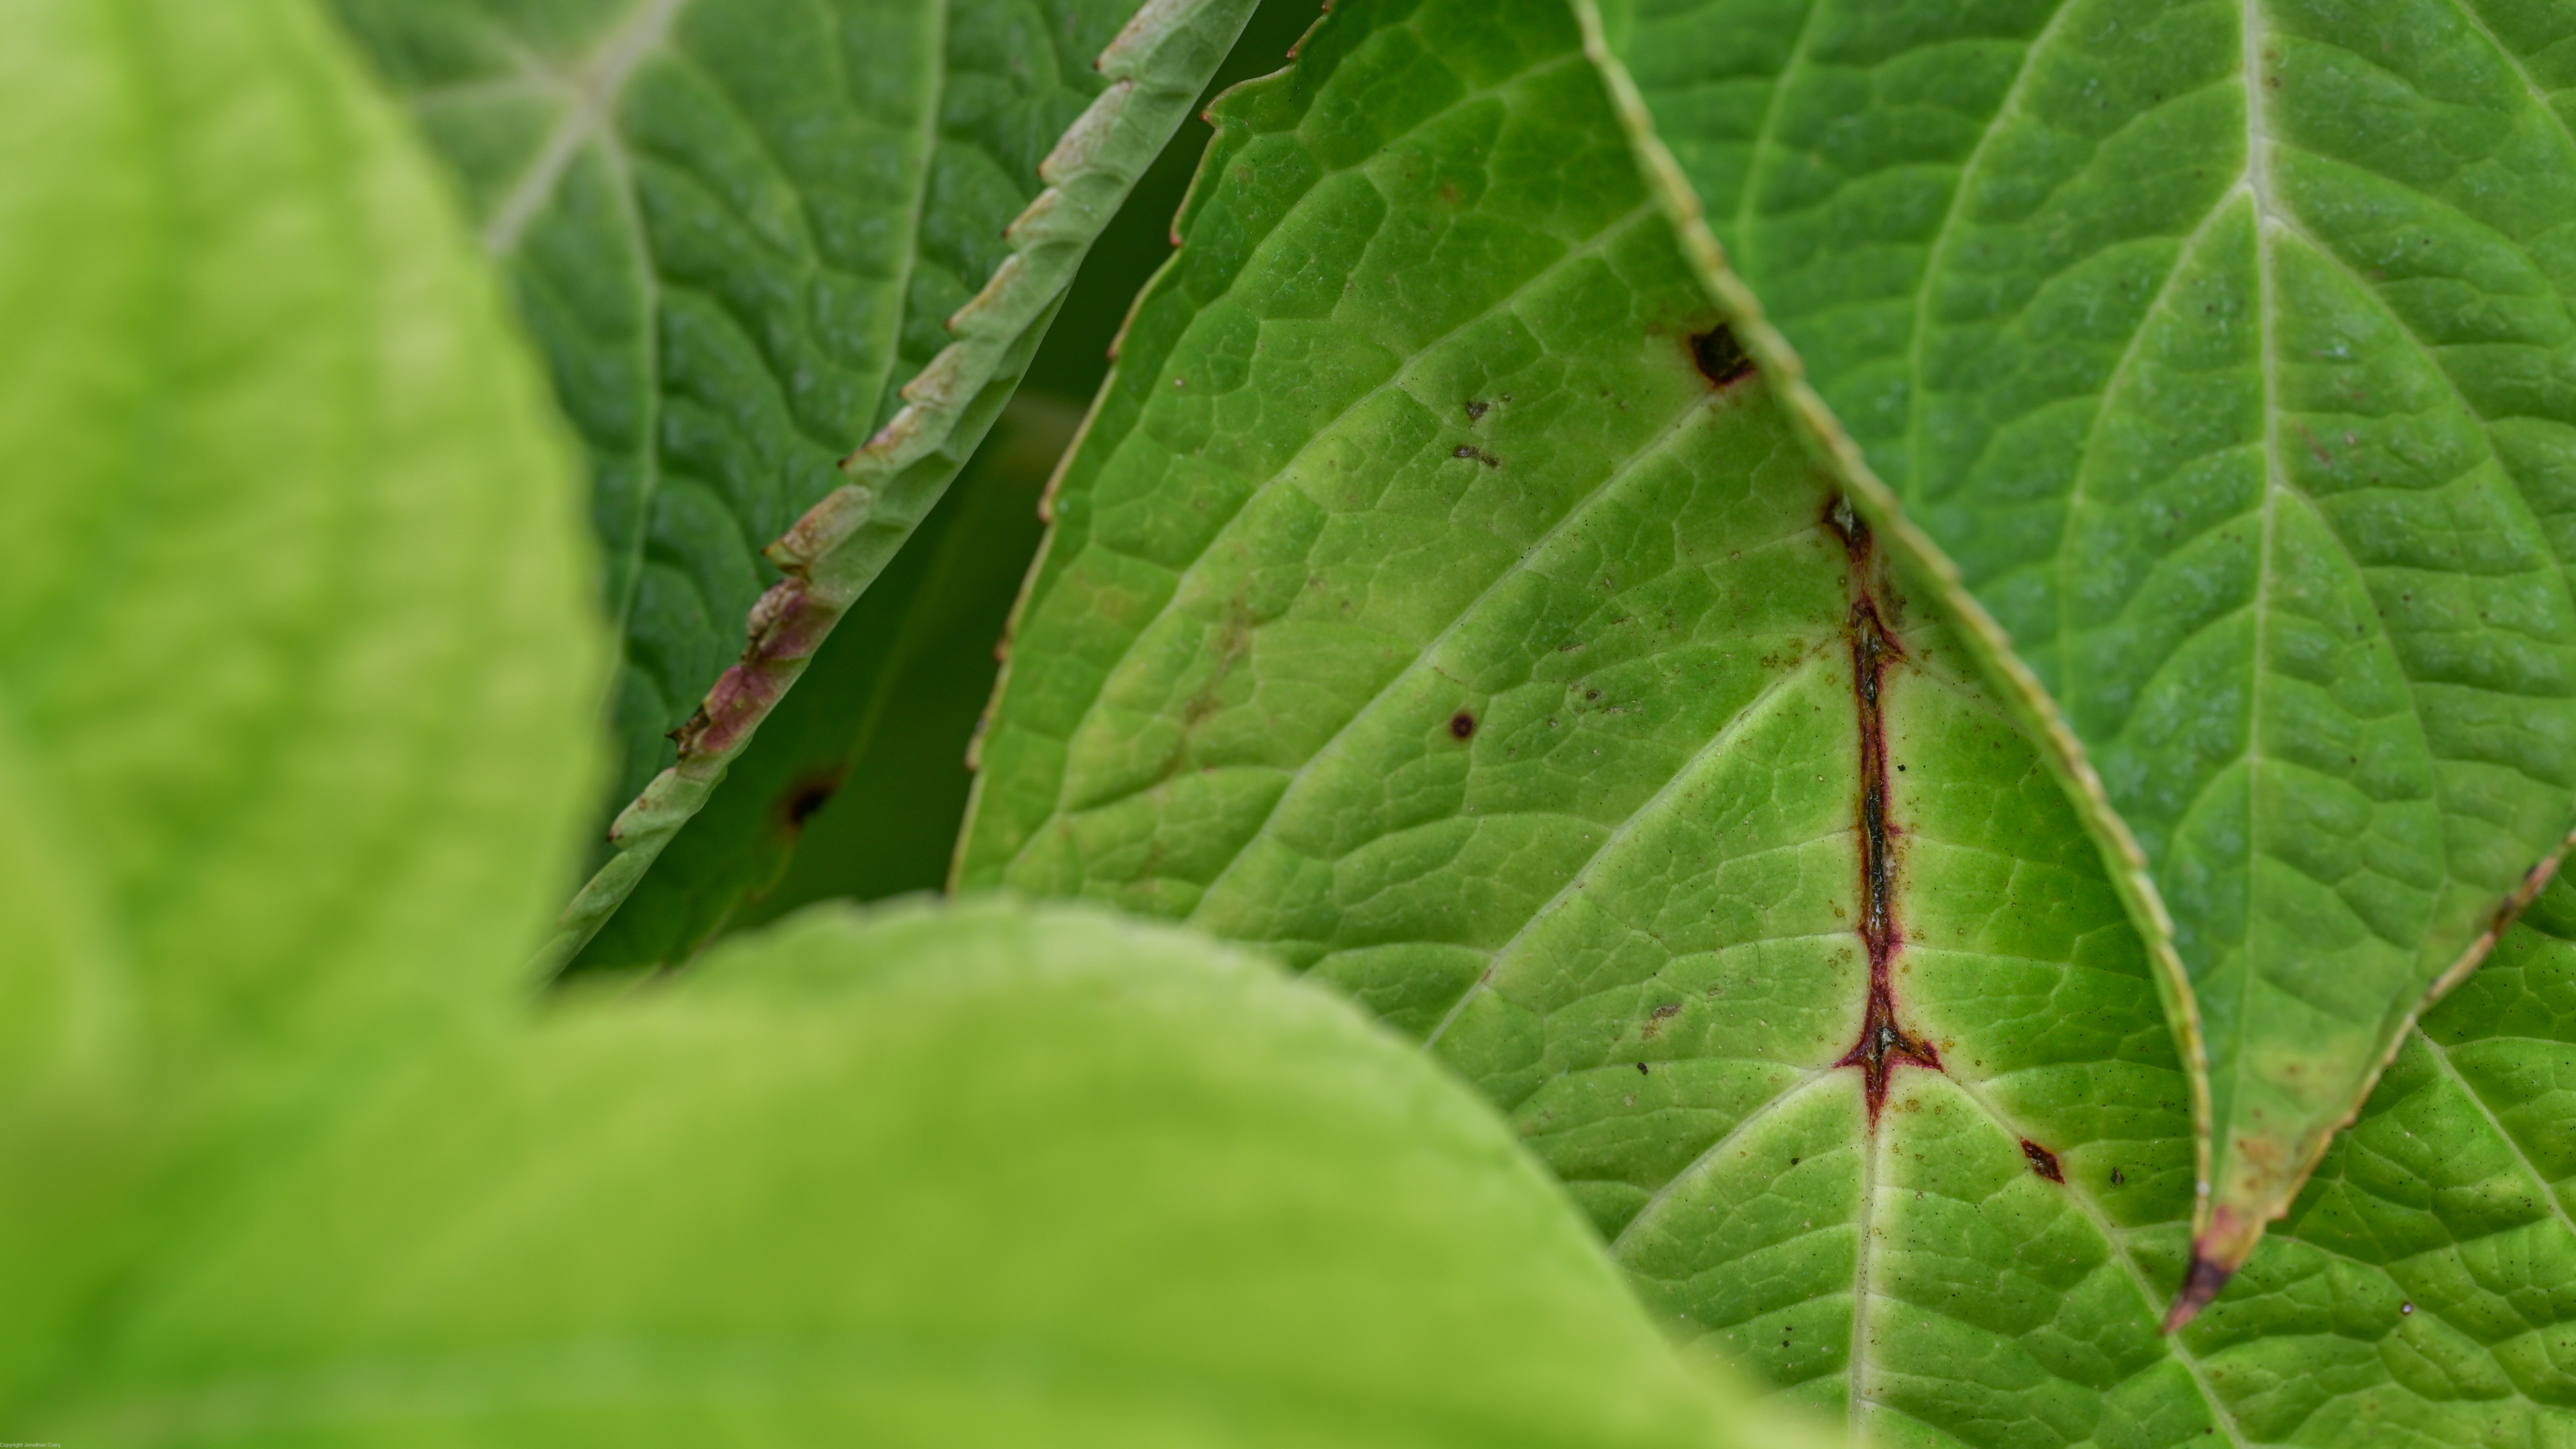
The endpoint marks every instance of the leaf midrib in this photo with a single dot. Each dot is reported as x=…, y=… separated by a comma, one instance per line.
x=591, y=89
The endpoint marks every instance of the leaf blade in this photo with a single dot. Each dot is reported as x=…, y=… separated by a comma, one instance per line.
x=297, y=654
x=1257, y=1220
x=2074, y=463
x=1560, y=764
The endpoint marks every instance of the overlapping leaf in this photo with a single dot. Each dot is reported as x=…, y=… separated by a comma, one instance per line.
x=886, y=711
x=2222, y=354
x=744, y=232
x=1436, y=599
x=297, y=659
x=979, y=1177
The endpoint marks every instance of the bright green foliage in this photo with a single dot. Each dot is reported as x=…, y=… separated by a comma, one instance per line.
x=982, y=1176
x=297, y=663
x=289, y=540
x=887, y=708
x=300, y=674
x=1419, y=608
x=2226, y=351
x=736, y=227
x=2423, y=1290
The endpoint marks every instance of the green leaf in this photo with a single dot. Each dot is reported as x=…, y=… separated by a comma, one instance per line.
x=1435, y=600
x=297, y=656
x=886, y=710
x=294, y=633
x=2215, y=353
x=933, y=1176
x=738, y=227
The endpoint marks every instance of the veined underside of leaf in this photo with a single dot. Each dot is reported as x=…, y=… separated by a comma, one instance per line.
x=2219, y=358
x=735, y=226
x=1438, y=598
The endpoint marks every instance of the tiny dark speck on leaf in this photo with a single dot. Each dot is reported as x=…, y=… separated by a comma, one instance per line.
x=804, y=797
x=1462, y=724
x=1477, y=410
x=2116, y=1178
x=1641, y=1070
x=1721, y=358
x=1469, y=450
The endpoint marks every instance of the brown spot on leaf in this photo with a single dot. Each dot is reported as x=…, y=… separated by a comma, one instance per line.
x=1469, y=450
x=1722, y=359
x=804, y=795
x=1462, y=724
x=2042, y=1161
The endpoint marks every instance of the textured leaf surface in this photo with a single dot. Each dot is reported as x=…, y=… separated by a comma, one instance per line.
x=2225, y=350
x=929, y=1177
x=739, y=227
x=1427, y=604
x=886, y=710
x=297, y=656
x=890, y=705
x=736, y=226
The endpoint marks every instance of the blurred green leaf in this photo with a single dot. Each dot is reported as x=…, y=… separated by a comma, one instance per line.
x=954, y=1176
x=298, y=660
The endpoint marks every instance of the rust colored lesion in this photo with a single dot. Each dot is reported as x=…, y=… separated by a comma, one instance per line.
x=1885, y=1039
x=2042, y=1161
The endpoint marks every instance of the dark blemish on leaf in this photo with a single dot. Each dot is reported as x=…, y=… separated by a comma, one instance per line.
x=1884, y=1039
x=2405, y=1307
x=2042, y=1161
x=2199, y=1285
x=1477, y=410
x=1667, y=1011
x=1462, y=724
x=805, y=795
x=1721, y=358
x=1467, y=450
x=1592, y=694
x=2116, y=1178
x=1641, y=1069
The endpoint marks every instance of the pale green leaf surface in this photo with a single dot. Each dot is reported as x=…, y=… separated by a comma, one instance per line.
x=297, y=659
x=1559, y=763
x=2226, y=352
x=295, y=651
x=928, y=1176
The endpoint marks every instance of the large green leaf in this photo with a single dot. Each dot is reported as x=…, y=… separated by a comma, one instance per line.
x=297, y=656
x=753, y=235
x=981, y=1176
x=1435, y=599
x=2222, y=353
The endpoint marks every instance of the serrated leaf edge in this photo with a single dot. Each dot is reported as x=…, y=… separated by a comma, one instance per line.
x=1156, y=67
